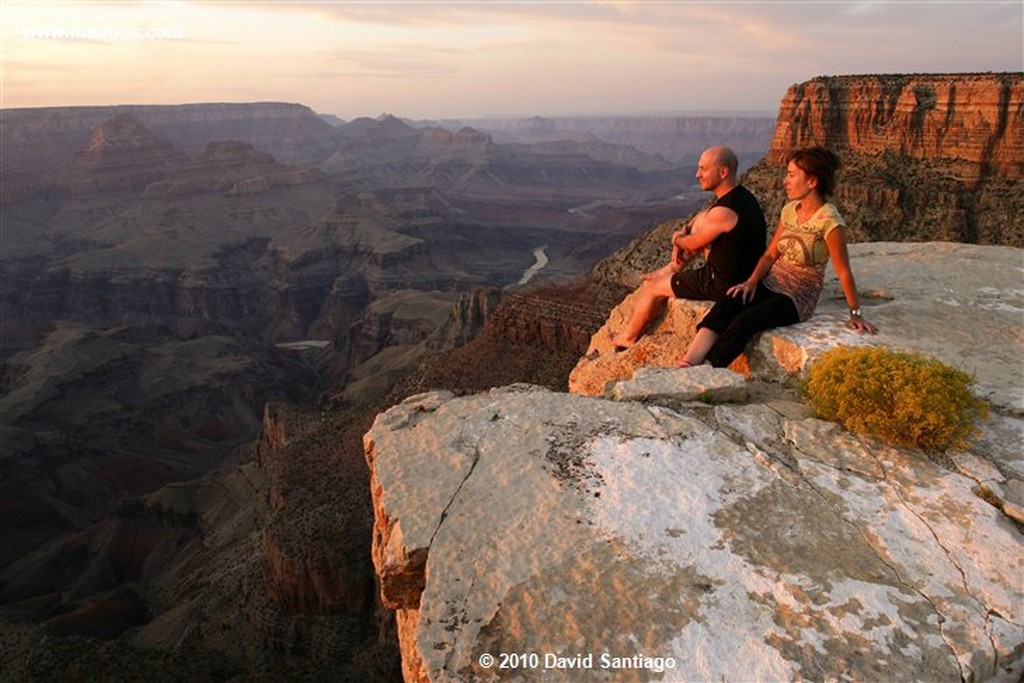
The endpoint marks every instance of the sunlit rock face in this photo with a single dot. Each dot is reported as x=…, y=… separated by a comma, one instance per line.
x=669, y=539
x=925, y=156
x=972, y=119
x=701, y=524
x=960, y=303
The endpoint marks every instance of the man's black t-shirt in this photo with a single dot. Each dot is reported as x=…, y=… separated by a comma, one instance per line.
x=734, y=254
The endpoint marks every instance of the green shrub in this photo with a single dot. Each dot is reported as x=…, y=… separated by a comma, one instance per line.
x=902, y=398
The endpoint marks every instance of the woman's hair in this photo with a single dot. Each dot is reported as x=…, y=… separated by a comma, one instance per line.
x=820, y=163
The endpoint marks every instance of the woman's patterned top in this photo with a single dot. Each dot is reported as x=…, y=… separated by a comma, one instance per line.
x=799, y=272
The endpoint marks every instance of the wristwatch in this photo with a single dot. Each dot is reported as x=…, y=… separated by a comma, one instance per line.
x=855, y=312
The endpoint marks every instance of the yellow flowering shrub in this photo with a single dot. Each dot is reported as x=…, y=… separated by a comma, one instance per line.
x=903, y=398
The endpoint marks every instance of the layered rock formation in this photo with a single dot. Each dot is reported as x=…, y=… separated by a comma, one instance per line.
x=262, y=566
x=678, y=139
x=469, y=162
x=233, y=167
x=468, y=316
x=231, y=239
x=40, y=139
x=122, y=155
x=926, y=157
x=656, y=533
x=489, y=337
x=95, y=417
x=971, y=120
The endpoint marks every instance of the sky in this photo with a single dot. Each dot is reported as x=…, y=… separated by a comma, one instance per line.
x=469, y=59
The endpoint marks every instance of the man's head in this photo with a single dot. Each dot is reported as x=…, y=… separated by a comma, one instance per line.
x=716, y=170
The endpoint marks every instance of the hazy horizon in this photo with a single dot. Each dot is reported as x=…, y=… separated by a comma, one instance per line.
x=475, y=60
x=440, y=119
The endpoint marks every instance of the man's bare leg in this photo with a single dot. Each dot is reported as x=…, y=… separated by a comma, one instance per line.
x=657, y=288
x=653, y=295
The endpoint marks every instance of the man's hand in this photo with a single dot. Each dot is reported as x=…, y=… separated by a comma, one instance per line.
x=677, y=236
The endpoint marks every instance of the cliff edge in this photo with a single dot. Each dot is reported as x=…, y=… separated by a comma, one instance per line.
x=696, y=525
x=960, y=303
x=663, y=524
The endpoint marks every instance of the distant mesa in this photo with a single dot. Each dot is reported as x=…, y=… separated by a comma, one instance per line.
x=389, y=143
x=232, y=153
x=465, y=136
x=332, y=119
x=390, y=129
x=383, y=128
x=123, y=155
x=38, y=141
x=233, y=167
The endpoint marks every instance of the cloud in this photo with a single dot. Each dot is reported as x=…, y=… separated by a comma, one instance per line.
x=428, y=58
x=383, y=66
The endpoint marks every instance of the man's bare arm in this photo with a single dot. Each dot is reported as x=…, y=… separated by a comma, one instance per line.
x=717, y=221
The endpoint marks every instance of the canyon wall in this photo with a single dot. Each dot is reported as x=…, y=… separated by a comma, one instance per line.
x=925, y=157
x=263, y=565
x=973, y=121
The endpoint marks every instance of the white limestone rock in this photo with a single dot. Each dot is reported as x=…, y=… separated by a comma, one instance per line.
x=1001, y=441
x=537, y=529
x=702, y=383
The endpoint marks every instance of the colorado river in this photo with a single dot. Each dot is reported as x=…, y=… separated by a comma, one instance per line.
x=303, y=345
x=542, y=260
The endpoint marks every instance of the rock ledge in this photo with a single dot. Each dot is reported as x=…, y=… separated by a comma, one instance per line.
x=741, y=542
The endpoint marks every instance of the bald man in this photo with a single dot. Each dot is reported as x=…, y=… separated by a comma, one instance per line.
x=731, y=233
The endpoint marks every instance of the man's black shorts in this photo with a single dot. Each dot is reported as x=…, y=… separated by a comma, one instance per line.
x=698, y=285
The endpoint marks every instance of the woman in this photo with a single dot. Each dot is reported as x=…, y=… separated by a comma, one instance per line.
x=787, y=281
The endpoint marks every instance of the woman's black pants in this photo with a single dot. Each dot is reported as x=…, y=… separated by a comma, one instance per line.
x=736, y=323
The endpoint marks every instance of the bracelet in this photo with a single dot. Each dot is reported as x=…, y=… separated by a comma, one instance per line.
x=855, y=312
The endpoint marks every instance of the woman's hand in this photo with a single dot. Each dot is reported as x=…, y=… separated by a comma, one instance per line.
x=860, y=325
x=745, y=290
